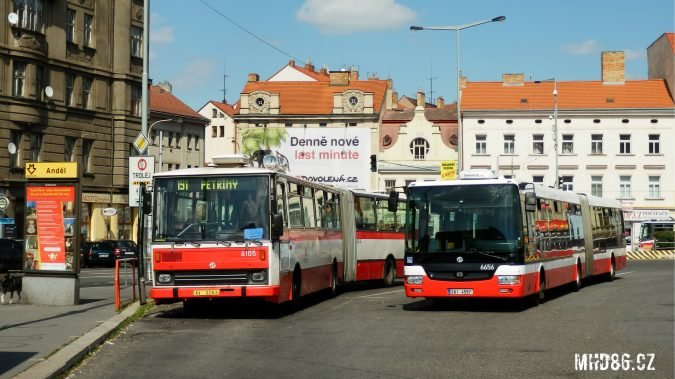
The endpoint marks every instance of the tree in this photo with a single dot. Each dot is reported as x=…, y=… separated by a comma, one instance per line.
x=255, y=139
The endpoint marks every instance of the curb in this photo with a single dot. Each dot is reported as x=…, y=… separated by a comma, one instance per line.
x=72, y=353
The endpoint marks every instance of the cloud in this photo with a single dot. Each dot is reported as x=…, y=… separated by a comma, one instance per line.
x=582, y=48
x=194, y=74
x=349, y=16
x=162, y=35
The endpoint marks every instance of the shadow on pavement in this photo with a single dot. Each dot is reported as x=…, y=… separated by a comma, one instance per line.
x=11, y=359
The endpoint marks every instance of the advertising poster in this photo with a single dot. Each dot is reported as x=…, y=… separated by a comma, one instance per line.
x=50, y=223
x=334, y=156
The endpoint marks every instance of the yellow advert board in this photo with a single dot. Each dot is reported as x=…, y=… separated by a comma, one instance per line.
x=51, y=170
x=448, y=170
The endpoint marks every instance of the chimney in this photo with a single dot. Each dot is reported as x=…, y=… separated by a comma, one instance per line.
x=166, y=86
x=513, y=79
x=353, y=74
x=339, y=78
x=291, y=63
x=440, y=102
x=463, y=82
x=324, y=70
x=253, y=77
x=420, y=99
x=394, y=99
x=613, y=71
x=309, y=66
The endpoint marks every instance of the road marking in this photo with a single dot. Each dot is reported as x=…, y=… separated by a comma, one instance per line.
x=624, y=273
x=379, y=294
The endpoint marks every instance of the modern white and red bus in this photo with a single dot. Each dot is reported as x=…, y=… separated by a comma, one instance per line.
x=657, y=235
x=249, y=232
x=484, y=236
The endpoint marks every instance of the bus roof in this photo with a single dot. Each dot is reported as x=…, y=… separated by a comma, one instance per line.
x=212, y=170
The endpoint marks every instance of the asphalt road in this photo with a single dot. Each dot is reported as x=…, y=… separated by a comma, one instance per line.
x=378, y=333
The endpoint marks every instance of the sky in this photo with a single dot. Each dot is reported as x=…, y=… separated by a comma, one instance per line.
x=195, y=43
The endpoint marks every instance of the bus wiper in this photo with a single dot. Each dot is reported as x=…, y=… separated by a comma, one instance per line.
x=218, y=240
x=180, y=238
x=246, y=241
x=481, y=252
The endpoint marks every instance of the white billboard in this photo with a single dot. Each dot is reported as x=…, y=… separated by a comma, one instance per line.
x=335, y=156
x=141, y=170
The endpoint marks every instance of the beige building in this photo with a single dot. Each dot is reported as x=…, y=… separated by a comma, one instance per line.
x=220, y=136
x=70, y=90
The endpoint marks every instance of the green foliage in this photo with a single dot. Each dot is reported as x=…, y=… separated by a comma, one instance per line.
x=255, y=139
x=664, y=236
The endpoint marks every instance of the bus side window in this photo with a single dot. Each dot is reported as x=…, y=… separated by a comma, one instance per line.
x=320, y=208
x=294, y=210
x=337, y=212
x=309, y=208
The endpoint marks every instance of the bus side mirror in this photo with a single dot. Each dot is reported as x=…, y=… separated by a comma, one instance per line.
x=277, y=226
x=530, y=202
x=392, y=202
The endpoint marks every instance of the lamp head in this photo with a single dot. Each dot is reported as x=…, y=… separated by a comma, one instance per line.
x=498, y=19
x=416, y=28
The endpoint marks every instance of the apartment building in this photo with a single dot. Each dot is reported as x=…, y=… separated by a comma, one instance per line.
x=70, y=90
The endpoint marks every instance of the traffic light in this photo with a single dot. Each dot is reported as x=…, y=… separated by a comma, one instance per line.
x=373, y=163
x=560, y=182
x=147, y=202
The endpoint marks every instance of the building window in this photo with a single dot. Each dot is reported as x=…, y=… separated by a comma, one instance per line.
x=30, y=14
x=15, y=138
x=481, y=144
x=222, y=130
x=654, y=144
x=136, y=98
x=86, y=154
x=70, y=85
x=196, y=142
x=596, y=185
x=654, y=187
x=596, y=143
x=86, y=90
x=624, y=143
x=568, y=144
x=214, y=113
x=624, y=187
x=88, y=30
x=70, y=26
x=509, y=143
x=68, y=148
x=386, y=141
x=19, y=78
x=179, y=137
x=214, y=131
x=170, y=144
x=189, y=141
x=538, y=144
x=39, y=82
x=389, y=184
x=567, y=183
x=35, y=147
x=136, y=42
x=419, y=148
x=538, y=179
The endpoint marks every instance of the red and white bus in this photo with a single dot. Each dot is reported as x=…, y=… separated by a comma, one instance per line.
x=250, y=232
x=484, y=236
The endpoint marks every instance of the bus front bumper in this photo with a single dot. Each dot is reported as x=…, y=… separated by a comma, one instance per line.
x=270, y=293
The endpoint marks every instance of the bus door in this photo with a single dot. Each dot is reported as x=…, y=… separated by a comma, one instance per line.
x=586, y=213
x=282, y=247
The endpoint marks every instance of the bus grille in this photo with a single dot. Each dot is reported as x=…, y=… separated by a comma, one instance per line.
x=212, y=278
x=465, y=275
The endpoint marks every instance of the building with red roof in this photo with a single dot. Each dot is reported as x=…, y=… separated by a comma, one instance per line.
x=611, y=137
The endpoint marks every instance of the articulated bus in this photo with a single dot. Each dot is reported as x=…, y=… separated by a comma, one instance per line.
x=657, y=235
x=251, y=232
x=484, y=236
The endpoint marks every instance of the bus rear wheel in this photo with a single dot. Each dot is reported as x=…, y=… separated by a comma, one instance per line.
x=333, y=290
x=389, y=272
x=296, y=287
x=611, y=275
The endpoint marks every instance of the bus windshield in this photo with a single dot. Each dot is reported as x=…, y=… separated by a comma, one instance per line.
x=213, y=208
x=480, y=218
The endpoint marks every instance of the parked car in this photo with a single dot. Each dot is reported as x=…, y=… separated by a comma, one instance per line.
x=107, y=251
x=11, y=255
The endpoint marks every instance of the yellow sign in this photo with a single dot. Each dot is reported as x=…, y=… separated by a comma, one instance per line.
x=51, y=170
x=141, y=143
x=448, y=170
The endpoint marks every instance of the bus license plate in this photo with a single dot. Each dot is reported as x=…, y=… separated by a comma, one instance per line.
x=205, y=292
x=460, y=291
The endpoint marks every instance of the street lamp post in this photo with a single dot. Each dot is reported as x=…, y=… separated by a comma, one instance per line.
x=457, y=29
x=161, y=136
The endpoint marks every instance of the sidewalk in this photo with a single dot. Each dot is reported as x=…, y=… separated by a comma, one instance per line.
x=29, y=334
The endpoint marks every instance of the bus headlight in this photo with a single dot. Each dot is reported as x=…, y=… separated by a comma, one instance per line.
x=508, y=279
x=413, y=279
x=165, y=278
x=258, y=276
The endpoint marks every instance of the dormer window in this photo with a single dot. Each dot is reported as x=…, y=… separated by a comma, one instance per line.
x=386, y=141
